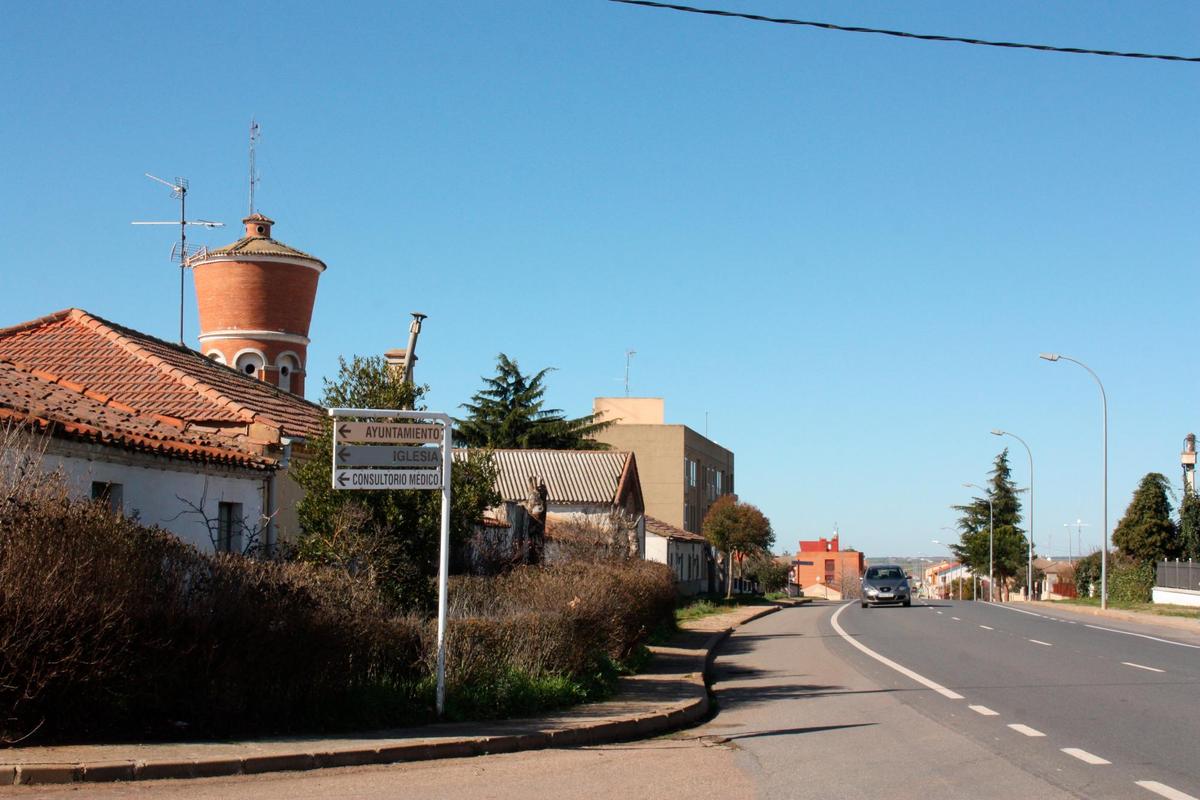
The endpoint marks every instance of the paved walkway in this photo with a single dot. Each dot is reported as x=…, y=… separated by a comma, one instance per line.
x=669, y=694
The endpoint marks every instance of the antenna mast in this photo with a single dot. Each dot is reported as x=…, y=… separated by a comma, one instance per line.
x=180, y=251
x=255, y=135
x=629, y=354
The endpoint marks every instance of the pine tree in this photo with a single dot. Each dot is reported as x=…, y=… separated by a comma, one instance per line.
x=1147, y=532
x=1010, y=546
x=508, y=413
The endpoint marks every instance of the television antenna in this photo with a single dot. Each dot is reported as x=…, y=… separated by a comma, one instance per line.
x=629, y=354
x=255, y=135
x=180, y=252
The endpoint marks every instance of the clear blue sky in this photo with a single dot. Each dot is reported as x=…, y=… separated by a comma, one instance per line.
x=847, y=249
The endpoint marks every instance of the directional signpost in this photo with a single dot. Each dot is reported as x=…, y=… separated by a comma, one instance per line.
x=378, y=449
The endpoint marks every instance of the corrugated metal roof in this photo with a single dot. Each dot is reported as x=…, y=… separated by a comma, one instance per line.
x=571, y=476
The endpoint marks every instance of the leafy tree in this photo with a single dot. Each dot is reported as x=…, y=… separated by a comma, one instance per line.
x=1189, y=525
x=508, y=413
x=1011, y=548
x=767, y=572
x=392, y=536
x=731, y=526
x=1147, y=532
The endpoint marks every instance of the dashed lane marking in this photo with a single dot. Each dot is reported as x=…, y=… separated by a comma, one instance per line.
x=1025, y=729
x=1043, y=644
x=1142, y=666
x=984, y=710
x=903, y=670
x=987, y=627
x=956, y=619
x=1163, y=790
x=1085, y=756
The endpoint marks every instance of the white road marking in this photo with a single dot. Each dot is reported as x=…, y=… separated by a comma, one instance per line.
x=1020, y=610
x=1085, y=756
x=984, y=710
x=921, y=679
x=1144, y=636
x=987, y=627
x=1044, y=644
x=1025, y=729
x=956, y=619
x=1165, y=791
x=1140, y=666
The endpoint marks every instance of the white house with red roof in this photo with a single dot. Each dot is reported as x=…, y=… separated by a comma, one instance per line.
x=75, y=374
x=209, y=489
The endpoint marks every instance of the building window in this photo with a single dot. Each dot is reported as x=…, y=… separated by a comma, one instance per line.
x=111, y=494
x=287, y=365
x=249, y=363
x=720, y=481
x=217, y=356
x=691, y=472
x=829, y=571
x=229, y=527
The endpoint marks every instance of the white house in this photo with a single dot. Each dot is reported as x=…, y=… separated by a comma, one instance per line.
x=207, y=488
x=683, y=551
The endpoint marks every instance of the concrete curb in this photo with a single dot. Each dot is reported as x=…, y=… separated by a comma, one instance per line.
x=669, y=716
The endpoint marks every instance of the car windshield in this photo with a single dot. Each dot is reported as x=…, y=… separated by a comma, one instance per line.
x=884, y=573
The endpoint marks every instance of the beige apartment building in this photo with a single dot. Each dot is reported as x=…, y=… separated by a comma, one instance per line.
x=682, y=472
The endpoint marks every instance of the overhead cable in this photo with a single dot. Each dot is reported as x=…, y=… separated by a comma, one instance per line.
x=928, y=37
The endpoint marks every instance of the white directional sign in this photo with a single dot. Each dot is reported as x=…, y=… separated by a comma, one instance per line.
x=362, y=445
x=366, y=455
x=388, y=432
x=388, y=479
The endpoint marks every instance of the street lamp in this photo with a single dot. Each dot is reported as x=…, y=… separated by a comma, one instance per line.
x=1029, y=573
x=1104, y=409
x=991, y=534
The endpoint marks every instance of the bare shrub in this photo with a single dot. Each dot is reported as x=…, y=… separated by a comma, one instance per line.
x=110, y=628
x=583, y=538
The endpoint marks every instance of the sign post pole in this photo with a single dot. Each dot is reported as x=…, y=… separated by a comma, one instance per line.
x=444, y=567
x=393, y=468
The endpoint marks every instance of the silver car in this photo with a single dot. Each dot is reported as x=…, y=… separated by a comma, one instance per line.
x=886, y=584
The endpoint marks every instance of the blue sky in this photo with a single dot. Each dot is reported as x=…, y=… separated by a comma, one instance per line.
x=846, y=249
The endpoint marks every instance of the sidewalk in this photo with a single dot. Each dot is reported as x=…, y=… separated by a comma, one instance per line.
x=670, y=694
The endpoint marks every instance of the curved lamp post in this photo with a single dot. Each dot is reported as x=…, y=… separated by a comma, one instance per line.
x=1029, y=572
x=991, y=534
x=1104, y=408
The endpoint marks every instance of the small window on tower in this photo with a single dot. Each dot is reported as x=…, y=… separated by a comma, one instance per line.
x=249, y=364
x=286, y=364
x=216, y=356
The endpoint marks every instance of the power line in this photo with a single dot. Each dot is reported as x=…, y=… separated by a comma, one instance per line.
x=928, y=37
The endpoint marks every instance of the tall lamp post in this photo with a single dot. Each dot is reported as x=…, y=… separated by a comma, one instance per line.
x=1029, y=572
x=1104, y=409
x=991, y=533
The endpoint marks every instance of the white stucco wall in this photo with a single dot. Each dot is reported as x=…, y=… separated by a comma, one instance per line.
x=1176, y=597
x=152, y=487
x=656, y=548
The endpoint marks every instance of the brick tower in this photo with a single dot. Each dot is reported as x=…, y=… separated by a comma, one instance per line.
x=256, y=300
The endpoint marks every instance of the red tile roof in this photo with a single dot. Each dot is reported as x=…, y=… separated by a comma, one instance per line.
x=668, y=531
x=68, y=410
x=153, y=376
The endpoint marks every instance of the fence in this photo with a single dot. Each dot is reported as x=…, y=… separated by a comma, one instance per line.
x=1177, y=575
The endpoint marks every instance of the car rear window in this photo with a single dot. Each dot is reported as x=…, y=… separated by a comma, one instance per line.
x=884, y=573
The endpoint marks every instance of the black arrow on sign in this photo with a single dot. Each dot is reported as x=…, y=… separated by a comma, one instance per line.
x=342, y=431
x=341, y=479
x=344, y=454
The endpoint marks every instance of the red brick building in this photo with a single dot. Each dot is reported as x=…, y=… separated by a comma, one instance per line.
x=823, y=569
x=256, y=300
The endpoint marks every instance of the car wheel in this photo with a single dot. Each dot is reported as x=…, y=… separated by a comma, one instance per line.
x=865, y=604
x=907, y=603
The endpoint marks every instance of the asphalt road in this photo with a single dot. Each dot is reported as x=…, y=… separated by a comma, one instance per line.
x=1098, y=709
x=805, y=712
